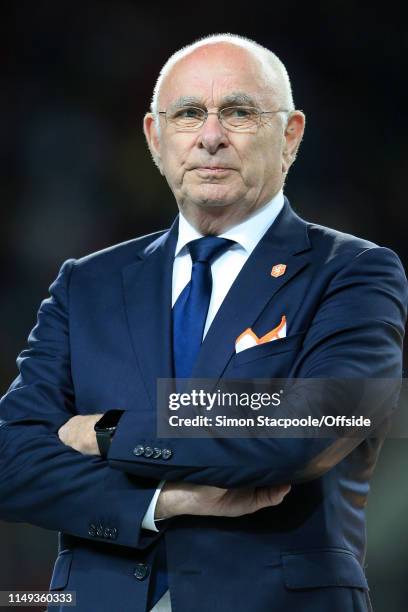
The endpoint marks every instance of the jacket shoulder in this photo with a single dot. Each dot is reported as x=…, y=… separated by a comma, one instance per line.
x=337, y=243
x=339, y=249
x=117, y=255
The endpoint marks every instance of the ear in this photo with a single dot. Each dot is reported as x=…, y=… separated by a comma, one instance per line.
x=293, y=137
x=152, y=138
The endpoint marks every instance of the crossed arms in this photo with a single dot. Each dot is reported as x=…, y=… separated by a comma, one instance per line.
x=46, y=482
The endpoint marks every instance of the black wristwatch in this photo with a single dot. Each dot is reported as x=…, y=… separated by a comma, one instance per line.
x=105, y=428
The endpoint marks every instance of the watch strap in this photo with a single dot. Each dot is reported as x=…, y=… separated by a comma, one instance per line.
x=104, y=438
x=105, y=429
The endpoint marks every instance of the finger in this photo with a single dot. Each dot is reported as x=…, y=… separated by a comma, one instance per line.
x=278, y=494
x=272, y=496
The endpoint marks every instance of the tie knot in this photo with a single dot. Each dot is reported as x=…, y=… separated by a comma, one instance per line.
x=208, y=248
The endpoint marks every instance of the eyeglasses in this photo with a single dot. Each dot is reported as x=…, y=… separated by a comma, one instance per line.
x=234, y=118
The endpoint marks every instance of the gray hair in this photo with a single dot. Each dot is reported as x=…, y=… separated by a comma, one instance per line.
x=262, y=53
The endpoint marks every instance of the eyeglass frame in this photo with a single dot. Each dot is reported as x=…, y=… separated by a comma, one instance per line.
x=219, y=115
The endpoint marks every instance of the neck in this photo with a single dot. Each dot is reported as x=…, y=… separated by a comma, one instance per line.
x=217, y=220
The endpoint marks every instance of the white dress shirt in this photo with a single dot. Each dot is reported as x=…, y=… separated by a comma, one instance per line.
x=224, y=271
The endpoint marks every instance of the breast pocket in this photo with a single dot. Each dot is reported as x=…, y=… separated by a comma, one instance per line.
x=270, y=360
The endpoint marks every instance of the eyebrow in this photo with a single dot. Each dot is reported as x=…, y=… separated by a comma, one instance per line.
x=238, y=98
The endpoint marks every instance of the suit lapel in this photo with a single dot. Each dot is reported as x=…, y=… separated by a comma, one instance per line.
x=147, y=286
x=253, y=289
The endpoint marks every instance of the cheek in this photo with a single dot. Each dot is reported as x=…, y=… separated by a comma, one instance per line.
x=270, y=158
x=172, y=166
x=258, y=156
x=175, y=160
x=257, y=163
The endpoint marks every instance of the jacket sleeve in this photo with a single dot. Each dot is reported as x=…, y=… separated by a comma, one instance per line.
x=357, y=332
x=42, y=481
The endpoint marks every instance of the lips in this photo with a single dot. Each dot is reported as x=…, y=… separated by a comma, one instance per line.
x=212, y=169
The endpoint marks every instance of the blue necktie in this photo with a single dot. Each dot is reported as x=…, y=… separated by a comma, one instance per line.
x=189, y=316
x=190, y=310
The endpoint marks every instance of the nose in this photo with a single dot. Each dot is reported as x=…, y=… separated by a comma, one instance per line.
x=212, y=136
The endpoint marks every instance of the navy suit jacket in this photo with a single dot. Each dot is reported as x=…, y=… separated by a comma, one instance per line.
x=102, y=340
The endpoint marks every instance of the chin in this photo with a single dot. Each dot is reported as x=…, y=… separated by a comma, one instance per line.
x=204, y=204
x=214, y=198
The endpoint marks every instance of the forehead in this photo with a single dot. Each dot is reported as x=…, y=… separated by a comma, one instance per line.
x=212, y=73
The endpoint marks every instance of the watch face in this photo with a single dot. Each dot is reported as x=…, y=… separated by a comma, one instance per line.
x=109, y=421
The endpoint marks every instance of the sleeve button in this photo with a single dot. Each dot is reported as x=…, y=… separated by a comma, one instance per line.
x=157, y=453
x=166, y=453
x=148, y=451
x=92, y=530
x=138, y=450
x=141, y=571
x=113, y=533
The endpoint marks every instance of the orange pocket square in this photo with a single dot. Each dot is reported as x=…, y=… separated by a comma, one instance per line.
x=248, y=338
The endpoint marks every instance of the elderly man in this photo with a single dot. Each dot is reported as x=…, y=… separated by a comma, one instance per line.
x=249, y=525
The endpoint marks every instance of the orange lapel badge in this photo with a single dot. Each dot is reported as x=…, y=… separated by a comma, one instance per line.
x=278, y=270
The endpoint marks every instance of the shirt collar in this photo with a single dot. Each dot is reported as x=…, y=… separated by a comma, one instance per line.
x=247, y=234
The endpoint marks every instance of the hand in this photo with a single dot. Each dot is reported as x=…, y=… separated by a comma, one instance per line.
x=79, y=434
x=183, y=498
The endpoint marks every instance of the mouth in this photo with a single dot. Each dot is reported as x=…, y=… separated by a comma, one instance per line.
x=213, y=169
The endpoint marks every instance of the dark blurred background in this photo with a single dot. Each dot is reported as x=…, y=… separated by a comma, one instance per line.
x=76, y=79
